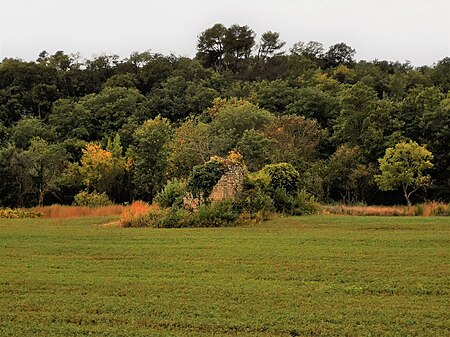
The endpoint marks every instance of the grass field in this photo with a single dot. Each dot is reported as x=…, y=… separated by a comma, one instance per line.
x=300, y=276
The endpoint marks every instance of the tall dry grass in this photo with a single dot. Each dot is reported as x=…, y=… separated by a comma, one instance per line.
x=64, y=212
x=135, y=213
x=427, y=209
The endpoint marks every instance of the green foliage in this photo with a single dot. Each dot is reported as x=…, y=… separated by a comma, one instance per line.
x=216, y=214
x=300, y=107
x=91, y=199
x=149, y=154
x=230, y=121
x=204, y=177
x=255, y=197
x=24, y=130
x=297, y=138
x=257, y=149
x=299, y=203
x=283, y=176
x=172, y=194
x=190, y=146
x=404, y=166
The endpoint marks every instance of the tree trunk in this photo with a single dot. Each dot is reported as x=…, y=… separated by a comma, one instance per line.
x=405, y=193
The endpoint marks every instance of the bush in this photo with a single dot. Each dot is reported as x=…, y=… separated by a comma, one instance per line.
x=255, y=197
x=216, y=214
x=93, y=199
x=172, y=194
x=204, y=177
x=294, y=204
x=283, y=176
x=175, y=218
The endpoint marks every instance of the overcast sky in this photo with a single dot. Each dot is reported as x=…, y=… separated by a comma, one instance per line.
x=415, y=30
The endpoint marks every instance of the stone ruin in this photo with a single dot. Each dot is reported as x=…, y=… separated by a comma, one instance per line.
x=227, y=188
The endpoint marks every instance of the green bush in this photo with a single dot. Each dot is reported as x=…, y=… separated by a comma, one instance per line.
x=172, y=194
x=216, y=214
x=174, y=218
x=299, y=203
x=204, y=177
x=93, y=199
x=255, y=197
x=283, y=176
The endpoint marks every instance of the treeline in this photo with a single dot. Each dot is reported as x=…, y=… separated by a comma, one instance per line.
x=123, y=127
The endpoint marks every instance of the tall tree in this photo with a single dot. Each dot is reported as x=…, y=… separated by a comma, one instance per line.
x=211, y=46
x=270, y=44
x=339, y=53
x=149, y=154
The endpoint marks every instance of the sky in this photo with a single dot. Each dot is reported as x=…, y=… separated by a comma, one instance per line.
x=397, y=30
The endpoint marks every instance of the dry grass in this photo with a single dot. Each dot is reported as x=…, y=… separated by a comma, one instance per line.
x=67, y=212
x=427, y=209
x=136, y=210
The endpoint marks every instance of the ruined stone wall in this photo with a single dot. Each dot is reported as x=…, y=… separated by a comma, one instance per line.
x=229, y=185
x=227, y=188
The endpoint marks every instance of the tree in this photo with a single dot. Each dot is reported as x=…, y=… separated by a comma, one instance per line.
x=210, y=46
x=239, y=42
x=149, y=154
x=190, y=146
x=316, y=104
x=230, y=119
x=297, y=138
x=348, y=175
x=357, y=102
x=27, y=128
x=269, y=45
x=47, y=165
x=339, y=53
x=256, y=149
x=313, y=49
x=403, y=166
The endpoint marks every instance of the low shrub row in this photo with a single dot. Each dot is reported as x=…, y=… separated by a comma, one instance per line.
x=274, y=189
x=9, y=213
x=218, y=214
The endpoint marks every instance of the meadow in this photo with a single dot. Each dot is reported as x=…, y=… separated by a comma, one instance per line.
x=322, y=275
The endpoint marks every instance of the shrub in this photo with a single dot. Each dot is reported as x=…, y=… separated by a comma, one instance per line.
x=93, y=199
x=283, y=176
x=172, y=194
x=204, y=177
x=255, y=197
x=299, y=203
x=174, y=218
x=216, y=214
x=16, y=213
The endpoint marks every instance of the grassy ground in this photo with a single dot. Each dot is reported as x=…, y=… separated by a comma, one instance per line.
x=313, y=276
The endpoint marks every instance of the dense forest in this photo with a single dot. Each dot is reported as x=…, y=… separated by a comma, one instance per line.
x=123, y=127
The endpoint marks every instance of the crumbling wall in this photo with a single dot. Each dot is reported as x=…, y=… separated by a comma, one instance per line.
x=229, y=185
x=227, y=188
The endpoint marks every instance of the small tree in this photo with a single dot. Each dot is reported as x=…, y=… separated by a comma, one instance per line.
x=404, y=166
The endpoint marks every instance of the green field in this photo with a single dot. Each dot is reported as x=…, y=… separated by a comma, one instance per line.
x=300, y=276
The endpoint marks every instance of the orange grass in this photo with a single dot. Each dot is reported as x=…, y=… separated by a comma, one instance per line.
x=426, y=209
x=59, y=211
x=135, y=210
